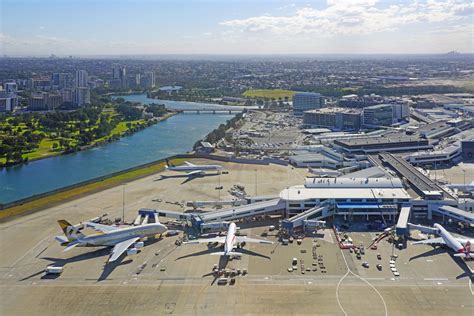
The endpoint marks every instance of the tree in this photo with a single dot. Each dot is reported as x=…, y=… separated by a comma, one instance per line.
x=55, y=146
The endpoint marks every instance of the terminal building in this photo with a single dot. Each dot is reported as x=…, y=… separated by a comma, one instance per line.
x=304, y=101
x=445, y=156
x=334, y=118
x=383, y=196
x=388, y=142
x=467, y=148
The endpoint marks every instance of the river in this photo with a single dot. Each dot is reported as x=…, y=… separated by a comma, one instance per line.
x=175, y=135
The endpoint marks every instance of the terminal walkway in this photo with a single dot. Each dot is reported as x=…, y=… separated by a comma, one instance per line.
x=319, y=211
x=402, y=228
x=455, y=213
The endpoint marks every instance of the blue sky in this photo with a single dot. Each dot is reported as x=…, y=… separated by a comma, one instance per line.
x=118, y=27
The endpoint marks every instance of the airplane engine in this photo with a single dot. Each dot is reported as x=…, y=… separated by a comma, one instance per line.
x=139, y=244
x=132, y=251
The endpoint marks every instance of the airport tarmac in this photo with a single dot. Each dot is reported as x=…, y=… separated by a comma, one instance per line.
x=168, y=279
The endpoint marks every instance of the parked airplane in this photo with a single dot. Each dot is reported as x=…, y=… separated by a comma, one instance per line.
x=119, y=238
x=192, y=169
x=468, y=188
x=324, y=172
x=230, y=242
x=462, y=246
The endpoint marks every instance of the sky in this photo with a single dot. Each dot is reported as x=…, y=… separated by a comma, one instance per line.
x=148, y=27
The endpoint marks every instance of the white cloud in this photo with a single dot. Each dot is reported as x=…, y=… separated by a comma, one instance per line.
x=353, y=17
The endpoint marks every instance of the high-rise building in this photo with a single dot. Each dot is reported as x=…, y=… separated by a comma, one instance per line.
x=116, y=71
x=379, y=115
x=62, y=80
x=123, y=77
x=82, y=96
x=148, y=80
x=401, y=111
x=81, y=79
x=119, y=73
x=304, y=101
x=68, y=96
x=8, y=101
x=44, y=101
x=10, y=87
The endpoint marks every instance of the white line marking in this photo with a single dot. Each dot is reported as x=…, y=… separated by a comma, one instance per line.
x=470, y=287
x=362, y=279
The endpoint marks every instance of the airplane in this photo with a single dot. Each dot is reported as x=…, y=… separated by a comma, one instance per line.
x=192, y=169
x=230, y=242
x=324, y=172
x=461, y=246
x=467, y=188
x=117, y=237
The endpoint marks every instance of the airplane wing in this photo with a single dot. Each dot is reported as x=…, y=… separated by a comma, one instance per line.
x=71, y=245
x=205, y=241
x=189, y=164
x=438, y=240
x=194, y=173
x=100, y=227
x=121, y=247
x=464, y=240
x=247, y=239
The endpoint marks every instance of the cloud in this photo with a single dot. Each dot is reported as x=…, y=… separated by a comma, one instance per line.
x=353, y=17
x=46, y=40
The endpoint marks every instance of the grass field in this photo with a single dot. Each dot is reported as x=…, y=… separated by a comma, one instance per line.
x=80, y=191
x=269, y=93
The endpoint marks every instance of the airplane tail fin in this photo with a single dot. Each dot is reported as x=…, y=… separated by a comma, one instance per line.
x=169, y=164
x=70, y=231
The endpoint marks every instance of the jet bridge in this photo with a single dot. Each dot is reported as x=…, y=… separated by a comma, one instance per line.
x=235, y=213
x=319, y=212
x=148, y=215
x=402, y=228
x=455, y=213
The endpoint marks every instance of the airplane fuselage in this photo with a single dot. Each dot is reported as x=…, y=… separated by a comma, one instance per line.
x=230, y=239
x=194, y=168
x=450, y=241
x=110, y=238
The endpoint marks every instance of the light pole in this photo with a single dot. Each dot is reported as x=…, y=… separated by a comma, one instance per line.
x=255, y=182
x=464, y=183
x=123, y=204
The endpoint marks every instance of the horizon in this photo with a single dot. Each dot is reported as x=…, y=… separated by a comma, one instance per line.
x=33, y=28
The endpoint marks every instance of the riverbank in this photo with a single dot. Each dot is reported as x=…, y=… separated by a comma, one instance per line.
x=122, y=129
x=38, y=203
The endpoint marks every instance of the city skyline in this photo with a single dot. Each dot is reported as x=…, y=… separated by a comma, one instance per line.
x=42, y=28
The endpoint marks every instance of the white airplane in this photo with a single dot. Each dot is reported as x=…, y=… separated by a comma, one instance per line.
x=324, y=172
x=230, y=242
x=461, y=246
x=119, y=238
x=468, y=188
x=193, y=170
